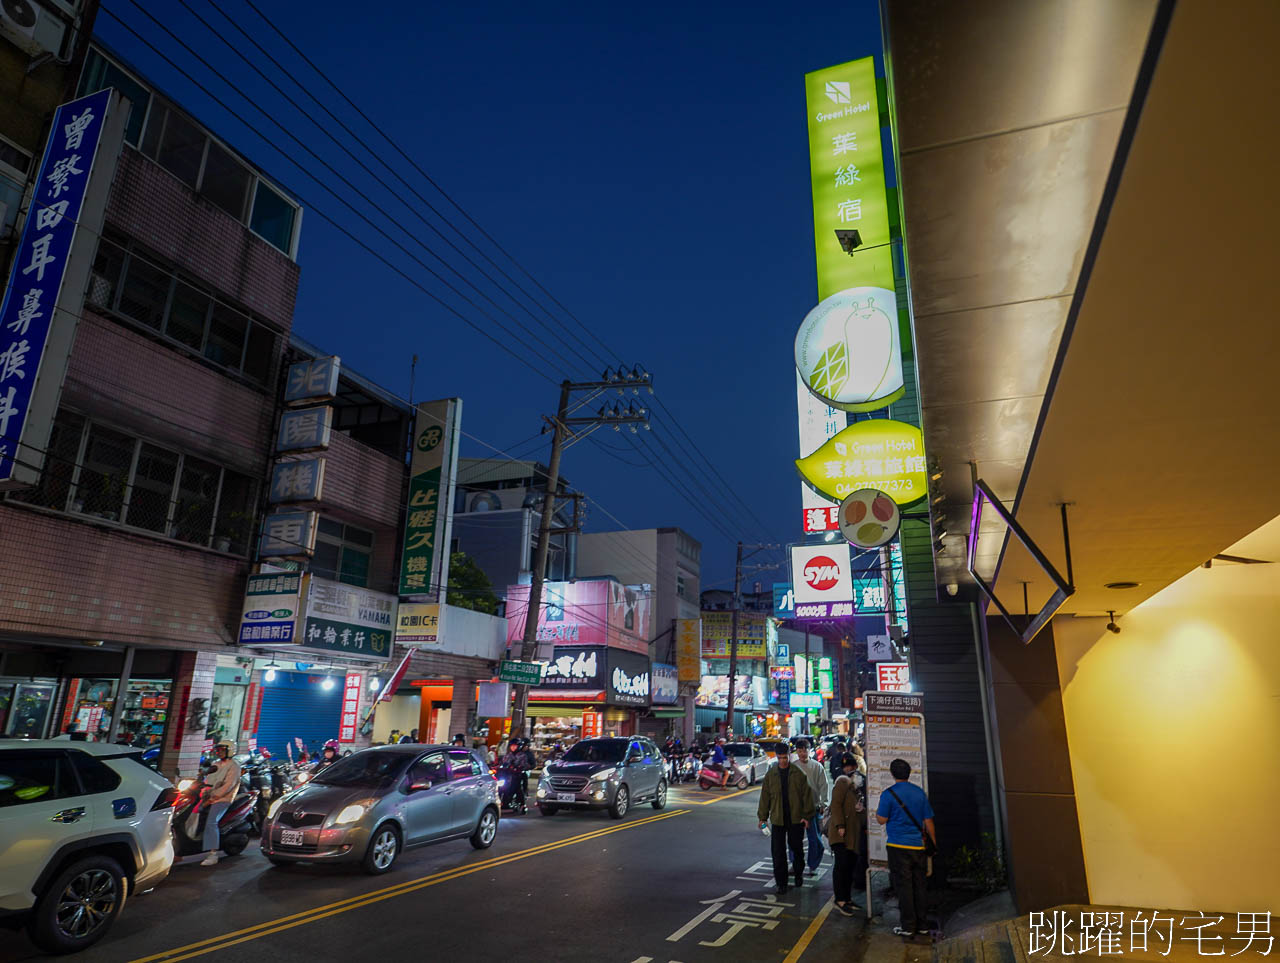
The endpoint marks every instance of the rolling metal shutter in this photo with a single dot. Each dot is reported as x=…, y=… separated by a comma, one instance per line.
x=295, y=706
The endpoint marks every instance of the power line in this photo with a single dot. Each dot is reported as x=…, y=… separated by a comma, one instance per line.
x=324, y=216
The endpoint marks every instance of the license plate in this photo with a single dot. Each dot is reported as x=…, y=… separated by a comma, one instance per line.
x=291, y=837
x=565, y=797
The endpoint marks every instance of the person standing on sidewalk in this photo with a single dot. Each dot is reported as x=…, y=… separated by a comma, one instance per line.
x=844, y=830
x=224, y=783
x=905, y=813
x=787, y=806
x=816, y=773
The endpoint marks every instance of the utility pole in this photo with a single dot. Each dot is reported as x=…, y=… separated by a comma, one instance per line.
x=733, y=641
x=564, y=432
x=734, y=605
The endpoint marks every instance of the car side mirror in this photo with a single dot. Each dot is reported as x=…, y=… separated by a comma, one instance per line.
x=419, y=786
x=635, y=757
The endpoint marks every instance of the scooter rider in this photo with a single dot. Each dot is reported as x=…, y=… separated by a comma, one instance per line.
x=328, y=756
x=224, y=783
x=516, y=762
x=718, y=756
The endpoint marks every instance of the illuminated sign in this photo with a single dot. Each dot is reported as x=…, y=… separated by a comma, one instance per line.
x=781, y=672
x=848, y=350
x=717, y=635
x=821, y=573
x=893, y=676
x=869, y=518
x=883, y=454
x=818, y=519
x=433, y=471
x=806, y=700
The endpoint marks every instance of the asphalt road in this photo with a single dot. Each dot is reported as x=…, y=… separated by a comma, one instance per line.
x=691, y=883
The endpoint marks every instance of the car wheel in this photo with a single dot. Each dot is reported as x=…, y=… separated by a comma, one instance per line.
x=383, y=849
x=548, y=810
x=486, y=830
x=621, y=803
x=79, y=906
x=660, y=800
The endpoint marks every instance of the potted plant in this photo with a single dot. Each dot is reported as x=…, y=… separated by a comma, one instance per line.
x=232, y=529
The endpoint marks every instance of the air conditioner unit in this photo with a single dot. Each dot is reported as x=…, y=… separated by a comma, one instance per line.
x=18, y=21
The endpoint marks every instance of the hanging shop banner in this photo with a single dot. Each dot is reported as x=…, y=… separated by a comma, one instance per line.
x=348, y=725
x=312, y=381
x=880, y=453
x=272, y=604
x=305, y=429
x=822, y=573
x=689, y=649
x=893, y=676
x=418, y=624
x=751, y=692
x=848, y=351
x=493, y=701
x=805, y=701
x=579, y=667
x=588, y=612
x=889, y=736
x=355, y=622
x=288, y=535
x=869, y=518
x=665, y=684
x=433, y=475
x=592, y=724
x=819, y=423
x=51, y=263
x=628, y=679
x=879, y=648
x=717, y=635
x=297, y=481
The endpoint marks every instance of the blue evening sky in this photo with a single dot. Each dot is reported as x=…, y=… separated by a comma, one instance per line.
x=647, y=164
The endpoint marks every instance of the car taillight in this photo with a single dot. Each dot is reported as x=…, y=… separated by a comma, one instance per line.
x=168, y=796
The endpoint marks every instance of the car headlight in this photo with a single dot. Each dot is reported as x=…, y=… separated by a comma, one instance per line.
x=275, y=808
x=604, y=774
x=350, y=814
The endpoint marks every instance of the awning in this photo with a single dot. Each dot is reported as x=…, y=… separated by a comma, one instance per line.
x=666, y=713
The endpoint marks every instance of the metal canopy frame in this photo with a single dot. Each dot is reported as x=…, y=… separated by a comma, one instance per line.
x=1063, y=588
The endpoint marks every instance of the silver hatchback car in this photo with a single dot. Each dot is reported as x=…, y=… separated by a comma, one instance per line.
x=367, y=807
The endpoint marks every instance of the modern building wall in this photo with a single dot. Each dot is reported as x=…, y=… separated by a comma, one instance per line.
x=1174, y=729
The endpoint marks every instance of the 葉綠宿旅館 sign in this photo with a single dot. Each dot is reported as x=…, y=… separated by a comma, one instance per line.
x=880, y=453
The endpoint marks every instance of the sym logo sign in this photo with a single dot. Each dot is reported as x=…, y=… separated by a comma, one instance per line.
x=821, y=573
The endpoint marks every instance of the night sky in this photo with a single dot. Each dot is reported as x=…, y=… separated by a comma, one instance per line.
x=651, y=174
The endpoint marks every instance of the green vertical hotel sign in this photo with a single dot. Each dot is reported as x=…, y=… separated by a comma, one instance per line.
x=848, y=350
x=433, y=469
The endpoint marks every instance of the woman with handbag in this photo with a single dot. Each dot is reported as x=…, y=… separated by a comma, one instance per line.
x=844, y=831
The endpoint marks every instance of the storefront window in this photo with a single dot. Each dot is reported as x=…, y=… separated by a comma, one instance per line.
x=91, y=703
x=28, y=710
x=225, y=713
x=146, y=709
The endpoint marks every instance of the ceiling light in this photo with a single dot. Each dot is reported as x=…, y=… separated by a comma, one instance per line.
x=270, y=674
x=328, y=683
x=374, y=683
x=1121, y=585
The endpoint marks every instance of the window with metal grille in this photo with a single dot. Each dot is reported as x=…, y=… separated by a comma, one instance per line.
x=343, y=552
x=94, y=470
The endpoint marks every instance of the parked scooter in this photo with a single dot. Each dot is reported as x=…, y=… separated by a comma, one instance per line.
x=190, y=810
x=731, y=775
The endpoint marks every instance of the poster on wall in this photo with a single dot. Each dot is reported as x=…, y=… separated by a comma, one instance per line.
x=717, y=635
x=665, y=684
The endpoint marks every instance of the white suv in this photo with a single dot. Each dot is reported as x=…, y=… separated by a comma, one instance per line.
x=83, y=825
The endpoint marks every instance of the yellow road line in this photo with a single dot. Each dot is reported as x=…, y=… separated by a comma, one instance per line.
x=808, y=935
x=341, y=906
x=716, y=799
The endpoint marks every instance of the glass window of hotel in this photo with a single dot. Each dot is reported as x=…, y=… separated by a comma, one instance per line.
x=60, y=458
x=225, y=181
x=99, y=72
x=176, y=143
x=188, y=317
x=144, y=295
x=197, y=494
x=227, y=331
x=235, y=512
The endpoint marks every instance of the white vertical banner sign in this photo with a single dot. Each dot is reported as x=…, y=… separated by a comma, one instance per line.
x=891, y=733
x=45, y=294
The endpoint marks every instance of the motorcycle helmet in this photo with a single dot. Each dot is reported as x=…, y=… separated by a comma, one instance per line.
x=332, y=744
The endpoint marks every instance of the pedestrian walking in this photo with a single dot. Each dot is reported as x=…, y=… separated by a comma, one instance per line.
x=224, y=783
x=905, y=813
x=844, y=831
x=816, y=773
x=787, y=807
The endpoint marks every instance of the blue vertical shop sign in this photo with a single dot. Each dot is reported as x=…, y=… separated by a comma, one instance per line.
x=40, y=263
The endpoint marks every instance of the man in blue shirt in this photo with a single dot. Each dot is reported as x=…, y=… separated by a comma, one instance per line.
x=903, y=810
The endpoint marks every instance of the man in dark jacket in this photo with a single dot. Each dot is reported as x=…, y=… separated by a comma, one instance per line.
x=786, y=805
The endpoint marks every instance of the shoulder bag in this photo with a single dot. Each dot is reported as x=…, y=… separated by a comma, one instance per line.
x=930, y=848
